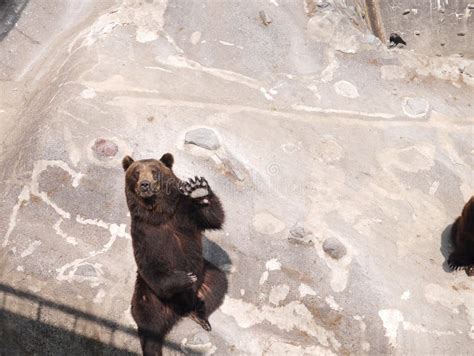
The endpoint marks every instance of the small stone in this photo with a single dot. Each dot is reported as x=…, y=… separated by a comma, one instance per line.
x=461, y=34
x=406, y=12
x=468, y=74
x=105, y=148
x=469, y=70
x=417, y=33
x=300, y=236
x=346, y=89
x=86, y=271
x=265, y=19
x=334, y=248
x=200, y=345
x=202, y=137
x=470, y=271
x=322, y=4
x=415, y=107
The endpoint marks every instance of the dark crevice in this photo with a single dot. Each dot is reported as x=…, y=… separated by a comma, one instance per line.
x=10, y=12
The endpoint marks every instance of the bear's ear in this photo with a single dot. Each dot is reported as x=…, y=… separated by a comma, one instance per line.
x=126, y=162
x=168, y=160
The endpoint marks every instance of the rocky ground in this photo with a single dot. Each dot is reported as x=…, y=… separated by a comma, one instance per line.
x=341, y=165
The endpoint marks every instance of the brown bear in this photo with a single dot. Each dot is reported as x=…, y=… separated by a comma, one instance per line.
x=462, y=237
x=173, y=278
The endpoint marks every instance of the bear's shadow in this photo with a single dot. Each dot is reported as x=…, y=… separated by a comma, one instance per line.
x=216, y=254
x=446, y=247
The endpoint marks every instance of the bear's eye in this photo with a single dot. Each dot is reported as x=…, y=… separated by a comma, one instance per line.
x=156, y=175
x=136, y=174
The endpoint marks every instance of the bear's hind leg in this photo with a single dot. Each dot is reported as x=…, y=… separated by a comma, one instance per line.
x=213, y=288
x=154, y=319
x=152, y=332
x=152, y=345
x=210, y=295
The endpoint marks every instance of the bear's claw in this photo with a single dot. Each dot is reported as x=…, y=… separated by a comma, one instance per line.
x=203, y=322
x=192, y=276
x=196, y=188
x=185, y=279
x=456, y=266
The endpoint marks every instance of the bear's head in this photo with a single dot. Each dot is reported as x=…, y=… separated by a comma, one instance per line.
x=150, y=180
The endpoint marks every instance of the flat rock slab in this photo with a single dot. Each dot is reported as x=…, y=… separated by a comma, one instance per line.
x=416, y=107
x=202, y=137
x=336, y=200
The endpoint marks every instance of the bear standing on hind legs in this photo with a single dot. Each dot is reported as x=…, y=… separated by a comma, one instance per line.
x=462, y=237
x=168, y=219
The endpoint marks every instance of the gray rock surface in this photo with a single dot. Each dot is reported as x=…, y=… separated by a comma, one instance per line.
x=141, y=74
x=429, y=27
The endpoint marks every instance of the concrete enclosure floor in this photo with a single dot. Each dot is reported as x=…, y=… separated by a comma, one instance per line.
x=341, y=165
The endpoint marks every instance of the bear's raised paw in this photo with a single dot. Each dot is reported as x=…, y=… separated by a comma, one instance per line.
x=196, y=188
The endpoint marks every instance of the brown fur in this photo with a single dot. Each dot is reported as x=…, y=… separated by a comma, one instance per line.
x=173, y=278
x=462, y=237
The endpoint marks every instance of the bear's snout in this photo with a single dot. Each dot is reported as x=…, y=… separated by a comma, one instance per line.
x=145, y=185
x=146, y=188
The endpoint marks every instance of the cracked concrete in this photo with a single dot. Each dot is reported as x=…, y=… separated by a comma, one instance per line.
x=336, y=135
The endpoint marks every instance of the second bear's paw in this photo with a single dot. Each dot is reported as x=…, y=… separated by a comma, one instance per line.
x=456, y=262
x=196, y=188
x=202, y=321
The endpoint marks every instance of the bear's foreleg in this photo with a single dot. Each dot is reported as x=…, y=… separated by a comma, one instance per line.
x=152, y=345
x=166, y=285
x=154, y=318
x=208, y=212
